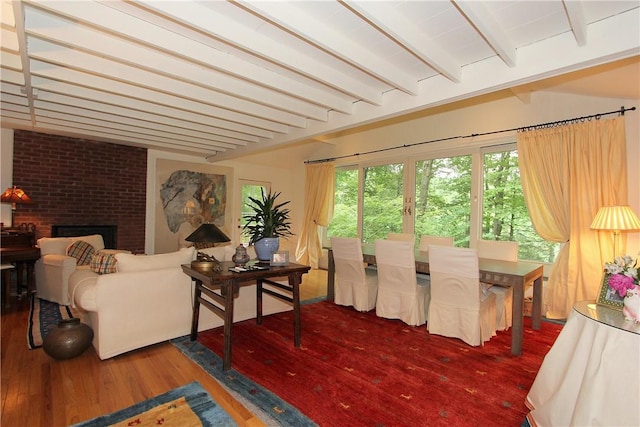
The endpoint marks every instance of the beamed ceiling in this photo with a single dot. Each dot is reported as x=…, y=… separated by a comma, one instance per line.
x=222, y=79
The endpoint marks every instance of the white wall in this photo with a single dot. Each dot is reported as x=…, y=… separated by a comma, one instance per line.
x=6, y=171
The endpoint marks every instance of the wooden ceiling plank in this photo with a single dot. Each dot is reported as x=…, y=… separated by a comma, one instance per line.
x=107, y=46
x=481, y=19
x=203, y=16
x=121, y=18
x=108, y=101
x=79, y=78
x=397, y=27
x=317, y=32
x=40, y=49
x=124, y=123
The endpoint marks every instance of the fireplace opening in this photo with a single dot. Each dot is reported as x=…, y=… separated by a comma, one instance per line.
x=109, y=233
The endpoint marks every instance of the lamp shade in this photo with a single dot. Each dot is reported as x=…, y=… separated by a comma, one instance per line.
x=207, y=233
x=615, y=218
x=15, y=195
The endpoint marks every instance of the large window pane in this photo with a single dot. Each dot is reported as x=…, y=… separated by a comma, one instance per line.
x=382, y=201
x=443, y=198
x=345, y=210
x=504, y=212
x=249, y=189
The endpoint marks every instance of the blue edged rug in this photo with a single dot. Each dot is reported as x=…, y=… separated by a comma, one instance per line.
x=44, y=316
x=271, y=409
x=185, y=405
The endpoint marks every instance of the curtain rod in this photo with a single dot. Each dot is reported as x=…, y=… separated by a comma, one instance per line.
x=574, y=120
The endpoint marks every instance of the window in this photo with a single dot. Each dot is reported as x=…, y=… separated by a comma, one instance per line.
x=438, y=196
x=249, y=189
x=443, y=198
x=345, y=211
x=504, y=212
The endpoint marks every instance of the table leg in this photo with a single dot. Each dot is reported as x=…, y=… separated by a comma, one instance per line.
x=536, y=316
x=294, y=281
x=259, y=301
x=6, y=282
x=331, y=276
x=197, y=293
x=227, y=291
x=517, y=328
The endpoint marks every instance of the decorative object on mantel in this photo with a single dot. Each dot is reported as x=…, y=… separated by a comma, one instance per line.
x=620, y=288
x=266, y=224
x=70, y=339
x=241, y=257
x=616, y=219
x=14, y=195
x=207, y=233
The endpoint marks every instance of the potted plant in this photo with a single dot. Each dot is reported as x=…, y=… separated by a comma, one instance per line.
x=266, y=224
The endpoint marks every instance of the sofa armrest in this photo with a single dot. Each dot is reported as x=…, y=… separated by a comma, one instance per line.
x=62, y=261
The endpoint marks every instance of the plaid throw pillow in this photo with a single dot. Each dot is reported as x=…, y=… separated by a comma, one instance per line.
x=103, y=263
x=81, y=251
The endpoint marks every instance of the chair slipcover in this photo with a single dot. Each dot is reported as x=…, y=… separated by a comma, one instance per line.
x=403, y=237
x=426, y=240
x=401, y=295
x=458, y=307
x=354, y=285
x=506, y=251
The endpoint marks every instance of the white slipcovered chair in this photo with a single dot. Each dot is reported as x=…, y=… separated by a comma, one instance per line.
x=426, y=240
x=55, y=266
x=355, y=285
x=506, y=251
x=459, y=308
x=401, y=295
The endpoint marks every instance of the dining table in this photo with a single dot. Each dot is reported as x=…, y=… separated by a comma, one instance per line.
x=516, y=275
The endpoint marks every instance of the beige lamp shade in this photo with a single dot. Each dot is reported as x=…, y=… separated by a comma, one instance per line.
x=616, y=218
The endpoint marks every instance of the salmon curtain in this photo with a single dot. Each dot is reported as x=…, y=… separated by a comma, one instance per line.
x=318, y=211
x=568, y=173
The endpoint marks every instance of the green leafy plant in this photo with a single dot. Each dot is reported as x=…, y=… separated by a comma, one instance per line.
x=269, y=218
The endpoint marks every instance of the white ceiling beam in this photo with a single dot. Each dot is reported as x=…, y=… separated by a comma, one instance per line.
x=204, y=17
x=575, y=15
x=611, y=39
x=135, y=24
x=396, y=26
x=53, y=72
x=321, y=34
x=136, y=125
x=99, y=133
x=133, y=127
x=137, y=118
x=489, y=29
x=44, y=51
x=107, y=46
x=144, y=109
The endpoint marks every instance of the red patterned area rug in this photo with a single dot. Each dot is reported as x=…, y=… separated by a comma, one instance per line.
x=355, y=369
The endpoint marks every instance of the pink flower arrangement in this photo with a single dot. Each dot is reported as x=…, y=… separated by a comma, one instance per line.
x=623, y=274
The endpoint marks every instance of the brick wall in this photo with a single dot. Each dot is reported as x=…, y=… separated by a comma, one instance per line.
x=81, y=182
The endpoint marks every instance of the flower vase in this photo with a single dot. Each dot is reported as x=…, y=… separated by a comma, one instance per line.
x=631, y=309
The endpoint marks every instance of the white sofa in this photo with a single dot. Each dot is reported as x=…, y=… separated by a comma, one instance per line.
x=149, y=300
x=54, y=267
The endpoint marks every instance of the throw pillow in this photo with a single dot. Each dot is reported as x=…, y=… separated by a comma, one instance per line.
x=103, y=263
x=81, y=251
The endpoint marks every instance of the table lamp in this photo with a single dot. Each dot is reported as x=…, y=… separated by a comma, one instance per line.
x=207, y=233
x=616, y=219
x=14, y=195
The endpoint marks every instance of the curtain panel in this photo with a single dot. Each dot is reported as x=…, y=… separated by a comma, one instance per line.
x=568, y=173
x=318, y=211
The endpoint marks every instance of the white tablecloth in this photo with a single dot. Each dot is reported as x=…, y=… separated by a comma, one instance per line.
x=591, y=375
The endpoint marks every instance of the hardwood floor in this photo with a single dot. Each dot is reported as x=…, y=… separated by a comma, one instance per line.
x=37, y=390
